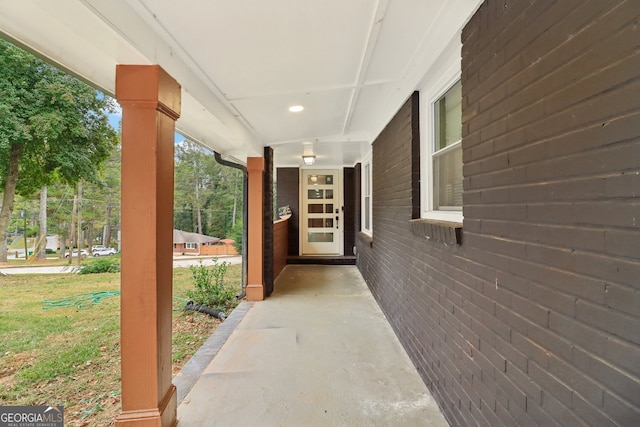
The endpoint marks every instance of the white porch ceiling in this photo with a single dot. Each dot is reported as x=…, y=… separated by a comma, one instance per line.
x=242, y=63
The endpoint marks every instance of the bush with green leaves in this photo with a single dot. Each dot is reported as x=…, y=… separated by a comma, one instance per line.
x=209, y=288
x=236, y=235
x=101, y=265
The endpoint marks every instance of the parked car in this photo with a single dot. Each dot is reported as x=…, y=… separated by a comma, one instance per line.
x=83, y=254
x=100, y=250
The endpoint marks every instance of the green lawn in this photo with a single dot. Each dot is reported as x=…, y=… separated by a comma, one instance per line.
x=69, y=356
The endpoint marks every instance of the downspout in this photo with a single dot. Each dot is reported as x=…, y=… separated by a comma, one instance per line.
x=245, y=216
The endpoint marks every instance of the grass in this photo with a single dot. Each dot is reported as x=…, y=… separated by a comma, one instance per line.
x=19, y=243
x=51, y=260
x=70, y=356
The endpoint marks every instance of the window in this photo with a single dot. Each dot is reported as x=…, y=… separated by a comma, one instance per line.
x=441, y=175
x=190, y=246
x=367, y=205
x=447, y=150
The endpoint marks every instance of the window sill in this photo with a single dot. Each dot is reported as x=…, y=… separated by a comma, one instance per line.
x=448, y=232
x=366, y=237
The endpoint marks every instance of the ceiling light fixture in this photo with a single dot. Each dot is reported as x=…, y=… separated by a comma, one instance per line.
x=309, y=159
x=296, y=108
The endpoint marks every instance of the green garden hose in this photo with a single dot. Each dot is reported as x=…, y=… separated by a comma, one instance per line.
x=85, y=300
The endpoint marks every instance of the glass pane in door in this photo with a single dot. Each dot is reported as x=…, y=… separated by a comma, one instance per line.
x=320, y=237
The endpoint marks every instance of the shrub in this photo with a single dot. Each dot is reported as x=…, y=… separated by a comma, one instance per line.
x=101, y=265
x=209, y=286
x=236, y=235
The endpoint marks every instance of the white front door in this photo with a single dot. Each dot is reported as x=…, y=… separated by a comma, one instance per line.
x=321, y=210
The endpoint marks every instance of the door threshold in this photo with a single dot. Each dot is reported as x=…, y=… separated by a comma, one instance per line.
x=322, y=259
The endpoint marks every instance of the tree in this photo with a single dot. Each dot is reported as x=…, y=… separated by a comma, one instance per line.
x=53, y=127
x=208, y=196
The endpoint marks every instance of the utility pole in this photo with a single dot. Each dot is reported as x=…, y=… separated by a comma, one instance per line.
x=42, y=240
x=24, y=232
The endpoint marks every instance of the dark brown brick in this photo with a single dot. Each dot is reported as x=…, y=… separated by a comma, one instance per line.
x=553, y=342
x=520, y=416
x=530, y=310
x=622, y=383
x=526, y=346
x=620, y=411
x=576, y=380
x=541, y=417
x=532, y=319
x=560, y=411
x=550, y=384
x=589, y=413
x=624, y=326
x=623, y=299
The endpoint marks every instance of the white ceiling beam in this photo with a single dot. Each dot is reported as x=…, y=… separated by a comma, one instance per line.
x=223, y=124
x=372, y=40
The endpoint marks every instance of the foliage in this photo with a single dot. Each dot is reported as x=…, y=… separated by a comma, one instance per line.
x=60, y=123
x=208, y=196
x=53, y=128
x=209, y=288
x=101, y=265
x=236, y=235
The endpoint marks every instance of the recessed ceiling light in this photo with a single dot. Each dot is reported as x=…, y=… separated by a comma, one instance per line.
x=296, y=108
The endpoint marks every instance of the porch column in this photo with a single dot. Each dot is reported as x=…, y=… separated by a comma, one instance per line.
x=255, y=279
x=150, y=101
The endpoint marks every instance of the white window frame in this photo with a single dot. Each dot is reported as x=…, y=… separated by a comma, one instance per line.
x=191, y=245
x=366, y=193
x=438, y=80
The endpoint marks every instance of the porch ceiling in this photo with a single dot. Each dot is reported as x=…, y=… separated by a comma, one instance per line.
x=241, y=64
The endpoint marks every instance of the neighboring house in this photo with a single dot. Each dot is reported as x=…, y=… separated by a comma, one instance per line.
x=185, y=242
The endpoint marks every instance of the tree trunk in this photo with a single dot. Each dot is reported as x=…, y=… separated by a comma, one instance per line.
x=79, y=236
x=235, y=202
x=72, y=228
x=63, y=244
x=90, y=236
x=106, y=236
x=9, y=197
x=41, y=250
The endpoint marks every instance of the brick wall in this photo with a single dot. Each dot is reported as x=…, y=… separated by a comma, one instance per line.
x=534, y=318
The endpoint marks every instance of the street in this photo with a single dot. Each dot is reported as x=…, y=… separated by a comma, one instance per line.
x=178, y=262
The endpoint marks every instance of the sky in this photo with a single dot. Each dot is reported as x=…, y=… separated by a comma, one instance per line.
x=114, y=121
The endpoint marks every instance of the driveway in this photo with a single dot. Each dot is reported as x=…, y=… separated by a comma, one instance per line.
x=178, y=262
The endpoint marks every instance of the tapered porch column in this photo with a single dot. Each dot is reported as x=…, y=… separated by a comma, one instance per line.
x=150, y=101
x=255, y=279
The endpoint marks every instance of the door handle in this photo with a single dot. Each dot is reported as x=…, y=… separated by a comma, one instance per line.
x=337, y=219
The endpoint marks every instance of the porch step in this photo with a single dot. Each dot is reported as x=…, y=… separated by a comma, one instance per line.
x=322, y=260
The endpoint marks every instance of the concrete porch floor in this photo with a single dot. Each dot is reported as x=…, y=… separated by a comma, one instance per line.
x=318, y=352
